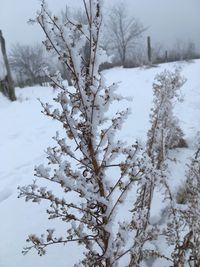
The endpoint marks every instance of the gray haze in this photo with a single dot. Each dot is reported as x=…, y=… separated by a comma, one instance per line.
x=168, y=20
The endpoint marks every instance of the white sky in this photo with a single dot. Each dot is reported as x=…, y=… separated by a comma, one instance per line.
x=168, y=20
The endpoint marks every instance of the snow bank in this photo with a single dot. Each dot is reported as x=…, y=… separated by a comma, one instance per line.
x=26, y=133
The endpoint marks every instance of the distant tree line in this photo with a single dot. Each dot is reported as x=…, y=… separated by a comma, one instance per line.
x=124, y=40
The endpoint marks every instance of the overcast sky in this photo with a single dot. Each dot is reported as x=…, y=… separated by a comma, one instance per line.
x=168, y=20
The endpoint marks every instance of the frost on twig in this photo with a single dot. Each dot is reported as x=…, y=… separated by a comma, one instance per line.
x=188, y=250
x=165, y=132
x=82, y=161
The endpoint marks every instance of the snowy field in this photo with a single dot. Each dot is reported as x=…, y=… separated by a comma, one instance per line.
x=26, y=133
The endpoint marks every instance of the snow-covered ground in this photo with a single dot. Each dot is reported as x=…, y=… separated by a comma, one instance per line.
x=25, y=133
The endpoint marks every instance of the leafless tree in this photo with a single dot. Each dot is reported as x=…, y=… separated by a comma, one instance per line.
x=183, y=51
x=28, y=61
x=122, y=32
x=158, y=53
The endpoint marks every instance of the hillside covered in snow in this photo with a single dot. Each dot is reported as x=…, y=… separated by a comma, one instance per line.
x=26, y=133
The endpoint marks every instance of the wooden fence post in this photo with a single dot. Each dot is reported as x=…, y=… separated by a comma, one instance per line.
x=8, y=79
x=149, y=51
x=166, y=56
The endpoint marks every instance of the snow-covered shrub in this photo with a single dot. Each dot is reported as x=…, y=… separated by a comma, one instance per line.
x=193, y=211
x=88, y=163
x=186, y=237
x=165, y=132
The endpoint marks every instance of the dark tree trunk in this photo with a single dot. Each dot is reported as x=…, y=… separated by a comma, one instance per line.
x=149, y=50
x=9, y=88
x=166, y=56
